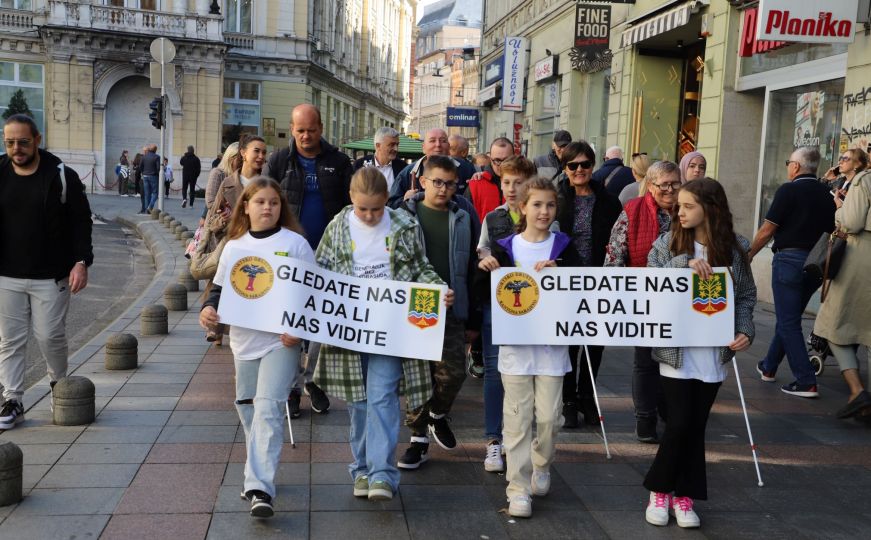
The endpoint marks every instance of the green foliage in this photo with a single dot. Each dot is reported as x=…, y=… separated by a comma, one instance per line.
x=17, y=105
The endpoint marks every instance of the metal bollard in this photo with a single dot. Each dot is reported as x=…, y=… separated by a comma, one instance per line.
x=73, y=401
x=122, y=352
x=153, y=320
x=175, y=296
x=11, y=473
x=187, y=280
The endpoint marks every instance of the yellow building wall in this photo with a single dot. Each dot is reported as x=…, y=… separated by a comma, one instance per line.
x=69, y=119
x=277, y=100
x=200, y=122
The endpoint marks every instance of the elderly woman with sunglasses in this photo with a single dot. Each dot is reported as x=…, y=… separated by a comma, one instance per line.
x=586, y=212
x=840, y=177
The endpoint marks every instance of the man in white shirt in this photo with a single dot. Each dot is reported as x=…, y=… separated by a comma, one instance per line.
x=386, y=141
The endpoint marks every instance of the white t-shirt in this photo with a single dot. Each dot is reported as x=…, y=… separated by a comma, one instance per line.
x=701, y=363
x=248, y=344
x=370, y=247
x=533, y=359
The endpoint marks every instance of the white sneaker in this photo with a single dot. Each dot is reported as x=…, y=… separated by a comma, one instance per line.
x=657, y=509
x=686, y=517
x=540, y=483
x=520, y=506
x=494, y=462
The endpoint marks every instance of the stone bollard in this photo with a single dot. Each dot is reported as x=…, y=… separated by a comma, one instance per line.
x=166, y=219
x=171, y=224
x=152, y=320
x=155, y=213
x=185, y=278
x=11, y=469
x=122, y=352
x=161, y=215
x=73, y=401
x=175, y=296
x=179, y=230
x=186, y=237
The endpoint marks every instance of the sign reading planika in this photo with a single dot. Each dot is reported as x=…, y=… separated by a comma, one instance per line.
x=749, y=45
x=832, y=21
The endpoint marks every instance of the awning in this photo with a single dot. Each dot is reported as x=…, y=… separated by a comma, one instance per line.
x=408, y=147
x=658, y=24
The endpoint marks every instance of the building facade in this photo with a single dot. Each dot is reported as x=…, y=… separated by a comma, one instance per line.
x=240, y=66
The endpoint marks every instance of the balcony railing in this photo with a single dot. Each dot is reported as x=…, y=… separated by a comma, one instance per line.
x=16, y=19
x=134, y=21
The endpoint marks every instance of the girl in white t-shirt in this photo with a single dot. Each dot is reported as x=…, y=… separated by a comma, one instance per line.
x=532, y=375
x=266, y=363
x=701, y=237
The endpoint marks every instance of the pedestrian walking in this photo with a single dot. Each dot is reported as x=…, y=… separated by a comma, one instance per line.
x=190, y=171
x=702, y=238
x=123, y=173
x=353, y=244
x=265, y=362
x=167, y=177
x=150, y=169
x=532, y=375
x=138, y=184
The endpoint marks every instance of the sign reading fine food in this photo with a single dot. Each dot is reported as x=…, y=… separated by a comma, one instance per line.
x=648, y=307
x=278, y=294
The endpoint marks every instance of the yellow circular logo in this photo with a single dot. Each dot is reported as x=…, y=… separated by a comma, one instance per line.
x=251, y=277
x=517, y=293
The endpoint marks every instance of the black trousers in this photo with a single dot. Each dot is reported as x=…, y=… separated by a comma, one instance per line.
x=188, y=184
x=646, y=394
x=679, y=465
x=577, y=385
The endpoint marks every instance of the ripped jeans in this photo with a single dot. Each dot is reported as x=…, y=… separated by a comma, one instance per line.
x=262, y=387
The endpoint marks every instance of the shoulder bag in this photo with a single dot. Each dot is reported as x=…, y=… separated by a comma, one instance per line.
x=204, y=260
x=825, y=258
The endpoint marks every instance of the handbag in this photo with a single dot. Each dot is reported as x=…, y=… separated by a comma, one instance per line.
x=204, y=260
x=825, y=258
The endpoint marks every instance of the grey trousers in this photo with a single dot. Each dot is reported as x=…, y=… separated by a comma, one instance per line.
x=40, y=304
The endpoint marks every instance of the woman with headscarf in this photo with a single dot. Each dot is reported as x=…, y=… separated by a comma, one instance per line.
x=692, y=167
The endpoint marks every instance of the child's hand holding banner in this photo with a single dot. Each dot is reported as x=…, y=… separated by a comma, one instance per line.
x=279, y=294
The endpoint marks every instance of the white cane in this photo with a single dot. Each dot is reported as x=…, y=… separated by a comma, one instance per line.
x=596, y=398
x=289, y=426
x=747, y=421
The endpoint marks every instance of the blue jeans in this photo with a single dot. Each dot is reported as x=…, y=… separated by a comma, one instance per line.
x=375, y=421
x=261, y=392
x=150, y=184
x=792, y=290
x=494, y=393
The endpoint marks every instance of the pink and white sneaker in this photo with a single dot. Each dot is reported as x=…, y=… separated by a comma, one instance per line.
x=686, y=517
x=657, y=509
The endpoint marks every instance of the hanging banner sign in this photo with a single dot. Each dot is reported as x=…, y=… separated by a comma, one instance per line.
x=279, y=294
x=592, y=28
x=832, y=21
x=463, y=117
x=514, y=74
x=646, y=307
x=493, y=71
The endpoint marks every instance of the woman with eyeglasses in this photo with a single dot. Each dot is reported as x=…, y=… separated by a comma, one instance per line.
x=586, y=212
x=840, y=177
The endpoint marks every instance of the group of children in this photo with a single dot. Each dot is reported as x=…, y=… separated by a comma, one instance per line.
x=431, y=239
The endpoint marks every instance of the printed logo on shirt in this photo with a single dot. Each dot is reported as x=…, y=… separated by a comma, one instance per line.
x=517, y=293
x=423, y=307
x=252, y=277
x=709, y=295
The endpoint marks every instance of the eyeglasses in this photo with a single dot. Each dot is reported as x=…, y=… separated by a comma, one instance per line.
x=497, y=161
x=636, y=154
x=844, y=158
x=438, y=183
x=669, y=187
x=573, y=165
x=788, y=161
x=23, y=143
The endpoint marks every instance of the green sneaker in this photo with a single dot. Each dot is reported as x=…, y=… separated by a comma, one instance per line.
x=361, y=486
x=380, y=490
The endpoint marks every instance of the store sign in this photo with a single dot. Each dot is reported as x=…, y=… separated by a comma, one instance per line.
x=545, y=69
x=493, y=71
x=749, y=45
x=660, y=24
x=550, y=103
x=514, y=74
x=832, y=21
x=518, y=146
x=488, y=94
x=247, y=115
x=592, y=28
x=463, y=117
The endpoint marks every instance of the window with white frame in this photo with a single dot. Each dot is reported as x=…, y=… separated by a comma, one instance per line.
x=29, y=79
x=241, y=110
x=237, y=16
x=150, y=5
x=16, y=4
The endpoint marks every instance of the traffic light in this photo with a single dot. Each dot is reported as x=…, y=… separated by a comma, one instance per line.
x=156, y=114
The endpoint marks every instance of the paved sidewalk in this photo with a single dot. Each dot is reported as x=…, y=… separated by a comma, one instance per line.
x=164, y=457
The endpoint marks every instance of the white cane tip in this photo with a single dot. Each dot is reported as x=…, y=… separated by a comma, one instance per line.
x=761, y=484
x=608, y=457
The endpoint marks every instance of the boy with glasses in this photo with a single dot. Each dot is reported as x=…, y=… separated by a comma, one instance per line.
x=449, y=241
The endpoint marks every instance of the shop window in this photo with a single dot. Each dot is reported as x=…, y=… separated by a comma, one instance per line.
x=791, y=55
x=241, y=110
x=29, y=79
x=237, y=16
x=808, y=115
x=547, y=121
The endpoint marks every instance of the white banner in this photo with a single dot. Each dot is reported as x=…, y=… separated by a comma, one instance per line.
x=278, y=294
x=832, y=21
x=647, y=307
x=514, y=74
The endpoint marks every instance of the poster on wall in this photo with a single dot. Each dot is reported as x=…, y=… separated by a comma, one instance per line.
x=809, y=119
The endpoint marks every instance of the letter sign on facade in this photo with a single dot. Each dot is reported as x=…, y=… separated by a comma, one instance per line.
x=832, y=21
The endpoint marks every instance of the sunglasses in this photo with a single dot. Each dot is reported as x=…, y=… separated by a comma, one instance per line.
x=573, y=165
x=844, y=158
x=22, y=143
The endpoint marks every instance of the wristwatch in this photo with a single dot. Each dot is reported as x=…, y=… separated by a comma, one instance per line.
x=83, y=263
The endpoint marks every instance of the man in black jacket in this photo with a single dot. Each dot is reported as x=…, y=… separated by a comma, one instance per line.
x=45, y=251
x=190, y=171
x=386, y=141
x=613, y=174
x=316, y=177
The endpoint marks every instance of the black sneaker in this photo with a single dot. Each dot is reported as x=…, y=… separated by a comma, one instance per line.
x=293, y=403
x=476, y=364
x=261, y=504
x=11, y=414
x=441, y=431
x=645, y=430
x=590, y=412
x=800, y=390
x=570, y=415
x=417, y=454
x=320, y=401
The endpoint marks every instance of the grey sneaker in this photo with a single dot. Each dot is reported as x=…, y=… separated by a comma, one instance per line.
x=361, y=486
x=11, y=414
x=380, y=490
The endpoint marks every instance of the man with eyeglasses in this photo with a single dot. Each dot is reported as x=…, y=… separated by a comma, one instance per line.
x=45, y=251
x=638, y=226
x=485, y=189
x=802, y=210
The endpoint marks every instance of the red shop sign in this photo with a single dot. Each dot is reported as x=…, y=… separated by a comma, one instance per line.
x=749, y=45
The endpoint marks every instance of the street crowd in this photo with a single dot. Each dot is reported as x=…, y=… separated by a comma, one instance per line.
x=450, y=218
